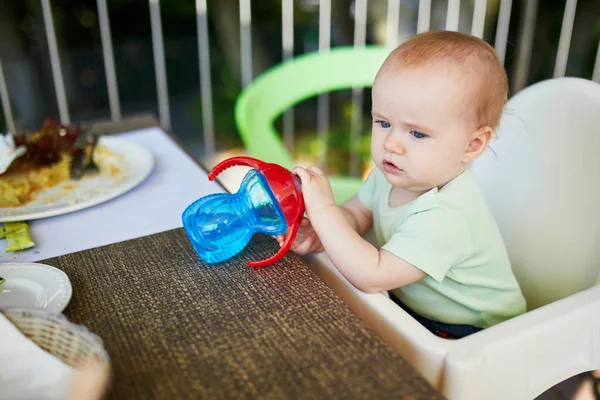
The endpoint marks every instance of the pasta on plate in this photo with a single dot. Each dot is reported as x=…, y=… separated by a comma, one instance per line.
x=56, y=153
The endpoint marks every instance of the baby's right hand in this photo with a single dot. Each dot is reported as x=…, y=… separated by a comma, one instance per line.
x=306, y=240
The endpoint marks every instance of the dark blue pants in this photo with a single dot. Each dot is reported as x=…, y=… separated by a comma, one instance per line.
x=446, y=331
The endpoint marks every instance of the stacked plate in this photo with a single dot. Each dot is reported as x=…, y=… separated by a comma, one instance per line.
x=36, y=286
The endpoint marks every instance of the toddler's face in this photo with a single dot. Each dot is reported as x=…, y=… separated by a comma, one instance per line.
x=420, y=132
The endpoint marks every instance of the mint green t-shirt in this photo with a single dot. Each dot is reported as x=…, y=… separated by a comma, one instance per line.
x=451, y=235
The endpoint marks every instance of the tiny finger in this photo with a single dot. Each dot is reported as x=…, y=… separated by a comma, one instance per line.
x=315, y=169
x=302, y=173
x=305, y=223
x=305, y=246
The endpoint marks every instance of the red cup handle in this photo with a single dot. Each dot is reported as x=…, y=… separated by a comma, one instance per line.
x=234, y=161
x=282, y=251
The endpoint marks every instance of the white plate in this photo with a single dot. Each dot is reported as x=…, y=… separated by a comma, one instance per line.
x=31, y=285
x=134, y=164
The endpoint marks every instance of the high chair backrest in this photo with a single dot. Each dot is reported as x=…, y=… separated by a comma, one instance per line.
x=541, y=179
x=289, y=83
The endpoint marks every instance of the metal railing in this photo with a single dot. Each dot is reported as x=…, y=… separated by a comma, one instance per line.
x=525, y=41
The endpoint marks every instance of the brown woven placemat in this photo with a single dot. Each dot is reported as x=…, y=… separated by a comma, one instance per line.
x=177, y=328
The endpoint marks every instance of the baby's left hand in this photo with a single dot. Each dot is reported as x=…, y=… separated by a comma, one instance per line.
x=316, y=188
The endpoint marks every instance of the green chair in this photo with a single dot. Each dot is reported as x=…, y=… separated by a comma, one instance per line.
x=289, y=83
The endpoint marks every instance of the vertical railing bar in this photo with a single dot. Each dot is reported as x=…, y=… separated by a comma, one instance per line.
x=596, y=73
x=246, y=41
x=109, y=61
x=393, y=24
x=59, y=85
x=502, y=29
x=525, y=41
x=323, y=102
x=205, y=80
x=360, y=37
x=360, y=23
x=8, y=115
x=424, y=16
x=452, y=15
x=356, y=130
x=479, y=11
x=562, y=55
x=324, y=25
x=323, y=126
x=287, y=43
x=159, y=64
x=287, y=29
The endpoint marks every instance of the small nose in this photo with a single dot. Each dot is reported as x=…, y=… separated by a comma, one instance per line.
x=393, y=145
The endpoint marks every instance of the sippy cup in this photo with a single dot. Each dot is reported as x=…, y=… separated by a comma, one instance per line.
x=269, y=201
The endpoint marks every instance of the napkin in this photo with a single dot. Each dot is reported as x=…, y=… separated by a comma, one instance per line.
x=8, y=151
x=27, y=371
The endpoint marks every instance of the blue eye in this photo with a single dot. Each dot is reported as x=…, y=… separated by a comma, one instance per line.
x=383, y=124
x=418, y=135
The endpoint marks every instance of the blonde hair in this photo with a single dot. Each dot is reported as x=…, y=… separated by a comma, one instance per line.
x=478, y=58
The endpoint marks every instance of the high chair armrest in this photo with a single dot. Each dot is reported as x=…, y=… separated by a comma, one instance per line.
x=527, y=354
x=419, y=347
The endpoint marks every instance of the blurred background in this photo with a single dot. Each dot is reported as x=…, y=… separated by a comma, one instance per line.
x=242, y=39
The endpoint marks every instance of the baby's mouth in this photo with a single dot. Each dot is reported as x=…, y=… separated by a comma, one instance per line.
x=390, y=167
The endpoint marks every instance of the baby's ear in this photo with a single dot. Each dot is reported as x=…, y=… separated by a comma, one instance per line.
x=480, y=140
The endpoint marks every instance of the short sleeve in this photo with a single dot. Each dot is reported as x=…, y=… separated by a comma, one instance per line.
x=366, y=192
x=433, y=240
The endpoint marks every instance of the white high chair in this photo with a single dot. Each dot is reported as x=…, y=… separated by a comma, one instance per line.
x=542, y=182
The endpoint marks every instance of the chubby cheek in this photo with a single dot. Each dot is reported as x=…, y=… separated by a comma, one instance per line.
x=377, y=149
x=437, y=165
x=451, y=154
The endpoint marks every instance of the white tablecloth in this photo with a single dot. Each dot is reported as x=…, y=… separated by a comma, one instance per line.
x=154, y=206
